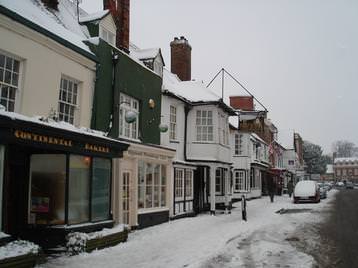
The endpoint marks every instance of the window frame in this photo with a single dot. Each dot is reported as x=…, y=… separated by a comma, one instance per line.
x=66, y=190
x=203, y=127
x=238, y=146
x=104, y=34
x=237, y=178
x=173, y=123
x=15, y=88
x=143, y=187
x=128, y=103
x=69, y=117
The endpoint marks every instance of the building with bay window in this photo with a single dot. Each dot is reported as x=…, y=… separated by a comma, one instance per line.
x=199, y=132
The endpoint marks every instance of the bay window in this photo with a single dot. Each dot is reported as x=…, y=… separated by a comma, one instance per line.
x=204, y=125
x=151, y=185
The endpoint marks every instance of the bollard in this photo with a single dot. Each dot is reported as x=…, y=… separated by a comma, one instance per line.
x=243, y=207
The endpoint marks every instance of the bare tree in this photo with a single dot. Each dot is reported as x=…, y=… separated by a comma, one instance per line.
x=344, y=148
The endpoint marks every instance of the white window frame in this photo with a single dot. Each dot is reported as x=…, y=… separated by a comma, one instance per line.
x=173, y=123
x=179, y=184
x=70, y=100
x=9, y=89
x=238, y=144
x=189, y=174
x=204, y=126
x=223, y=129
x=219, y=181
x=239, y=180
x=142, y=186
x=128, y=130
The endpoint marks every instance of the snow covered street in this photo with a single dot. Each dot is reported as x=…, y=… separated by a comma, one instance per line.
x=214, y=241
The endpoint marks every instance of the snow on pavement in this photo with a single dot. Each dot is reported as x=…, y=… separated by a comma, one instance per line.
x=223, y=240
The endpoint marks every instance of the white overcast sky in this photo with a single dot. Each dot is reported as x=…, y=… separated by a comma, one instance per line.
x=298, y=57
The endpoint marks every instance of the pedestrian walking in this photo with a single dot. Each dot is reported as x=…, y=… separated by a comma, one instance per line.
x=290, y=188
x=271, y=187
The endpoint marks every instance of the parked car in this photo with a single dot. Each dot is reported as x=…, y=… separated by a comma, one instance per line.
x=306, y=191
x=323, y=191
x=349, y=185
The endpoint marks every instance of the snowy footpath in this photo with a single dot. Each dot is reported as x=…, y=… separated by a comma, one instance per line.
x=224, y=240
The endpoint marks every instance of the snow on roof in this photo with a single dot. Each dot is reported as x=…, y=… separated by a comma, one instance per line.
x=94, y=16
x=57, y=124
x=258, y=138
x=142, y=54
x=234, y=121
x=345, y=159
x=193, y=91
x=62, y=23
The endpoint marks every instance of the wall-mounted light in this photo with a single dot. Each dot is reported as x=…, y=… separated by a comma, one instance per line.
x=130, y=117
x=151, y=103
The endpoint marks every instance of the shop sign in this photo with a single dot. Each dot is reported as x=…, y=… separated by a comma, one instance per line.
x=42, y=138
x=45, y=139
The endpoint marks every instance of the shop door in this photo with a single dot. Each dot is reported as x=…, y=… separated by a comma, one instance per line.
x=126, y=197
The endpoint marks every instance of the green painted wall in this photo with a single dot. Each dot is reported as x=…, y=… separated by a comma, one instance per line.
x=142, y=84
x=133, y=79
x=103, y=93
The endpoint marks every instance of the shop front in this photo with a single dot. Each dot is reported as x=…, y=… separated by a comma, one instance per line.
x=143, y=183
x=56, y=180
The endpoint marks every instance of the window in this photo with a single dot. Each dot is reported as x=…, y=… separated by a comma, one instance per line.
x=128, y=104
x=188, y=183
x=88, y=189
x=252, y=178
x=2, y=152
x=238, y=144
x=219, y=181
x=204, y=125
x=151, y=185
x=173, y=123
x=291, y=162
x=48, y=184
x=239, y=177
x=101, y=186
x=179, y=183
x=338, y=171
x=223, y=129
x=68, y=100
x=9, y=81
x=107, y=36
x=78, y=199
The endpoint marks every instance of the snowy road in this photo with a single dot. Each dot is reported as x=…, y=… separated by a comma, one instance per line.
x=266, y=240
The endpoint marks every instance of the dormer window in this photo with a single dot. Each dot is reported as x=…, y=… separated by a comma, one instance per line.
x=107, y=36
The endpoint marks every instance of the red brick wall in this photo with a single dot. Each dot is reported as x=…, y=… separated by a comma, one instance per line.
x=181, y=58
x=245, y=103
x=120, y=13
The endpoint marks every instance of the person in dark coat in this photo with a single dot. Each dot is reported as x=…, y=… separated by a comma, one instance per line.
x=290, y=188
x=271, y=188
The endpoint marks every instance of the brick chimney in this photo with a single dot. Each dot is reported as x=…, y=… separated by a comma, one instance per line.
x=245, y=103
x=51, y=4
x=181, y=58
x=120, y=12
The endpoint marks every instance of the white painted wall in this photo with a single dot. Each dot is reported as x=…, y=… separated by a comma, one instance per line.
x=177, y=144
x=43, y=61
